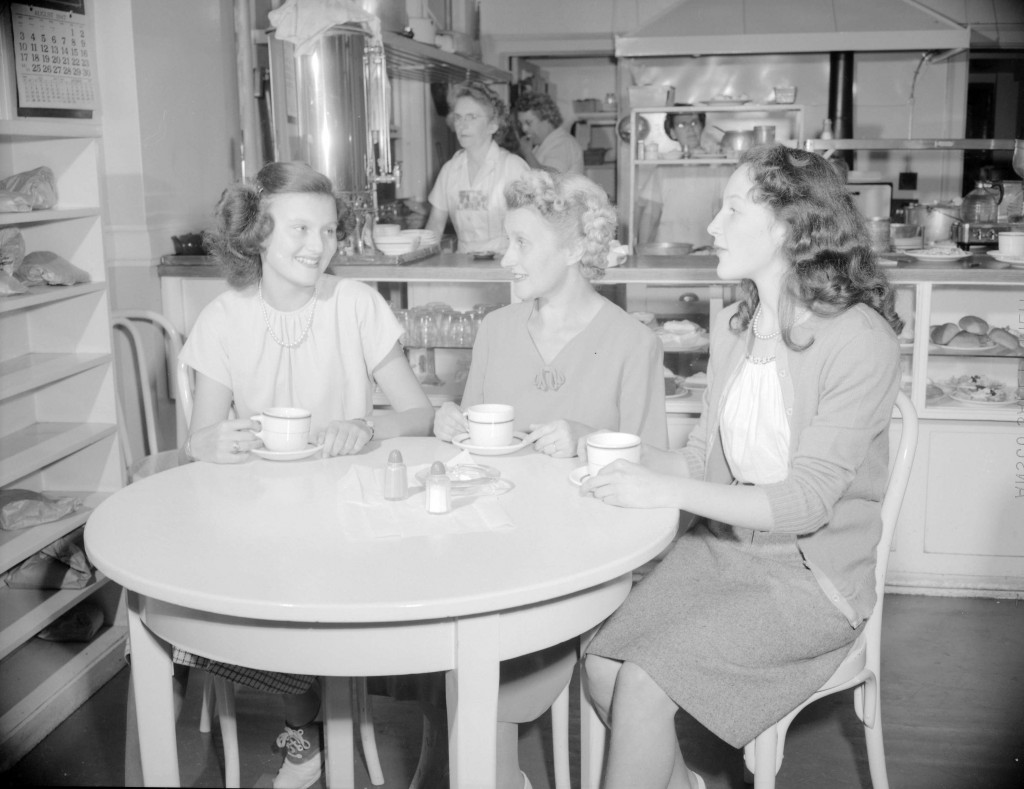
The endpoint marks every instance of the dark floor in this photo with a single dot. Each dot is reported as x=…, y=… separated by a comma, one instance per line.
x=952, y=696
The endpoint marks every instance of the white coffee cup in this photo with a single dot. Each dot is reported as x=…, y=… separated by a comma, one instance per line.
x=1011, y=242
x=491, y=425
x=604, y=448
x=283, y=429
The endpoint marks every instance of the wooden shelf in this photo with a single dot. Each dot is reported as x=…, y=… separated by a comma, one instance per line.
x=24, y=612
x=55, y=128
x=54, y=678
x=47, y=215
x=38, y=445
x=33, y=370
x=16, y=546
x=48, y=294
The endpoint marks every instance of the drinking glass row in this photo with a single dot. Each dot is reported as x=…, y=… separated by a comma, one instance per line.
x=439, y=325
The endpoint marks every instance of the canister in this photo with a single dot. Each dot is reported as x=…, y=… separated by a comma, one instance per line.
x=764, y=134
x=878, y=232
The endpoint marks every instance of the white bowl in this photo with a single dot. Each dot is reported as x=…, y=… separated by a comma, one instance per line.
x=386, y=230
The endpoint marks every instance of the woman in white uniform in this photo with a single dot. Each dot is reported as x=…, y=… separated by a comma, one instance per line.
x=470, y=187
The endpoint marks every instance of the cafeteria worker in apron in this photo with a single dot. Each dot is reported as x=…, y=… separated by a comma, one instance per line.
x=470, y=187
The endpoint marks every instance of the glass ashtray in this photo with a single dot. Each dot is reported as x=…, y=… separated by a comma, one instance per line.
x=471, y=479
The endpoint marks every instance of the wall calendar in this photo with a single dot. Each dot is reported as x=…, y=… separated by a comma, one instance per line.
x=54, y=59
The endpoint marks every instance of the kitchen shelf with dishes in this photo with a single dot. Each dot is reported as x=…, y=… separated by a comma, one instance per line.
x=971, y=363
x=57, y=435
x=733, y=120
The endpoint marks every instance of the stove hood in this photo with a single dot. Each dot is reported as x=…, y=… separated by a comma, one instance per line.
x=743, y=27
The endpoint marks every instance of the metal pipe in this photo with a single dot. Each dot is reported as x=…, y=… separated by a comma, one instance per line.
x=840, y=96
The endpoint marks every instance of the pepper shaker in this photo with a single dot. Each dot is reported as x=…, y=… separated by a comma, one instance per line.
x=439, y=489
x=396, y=482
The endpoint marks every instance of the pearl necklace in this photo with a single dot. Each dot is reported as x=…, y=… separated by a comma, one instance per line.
x=757, y=334
x=270, y=329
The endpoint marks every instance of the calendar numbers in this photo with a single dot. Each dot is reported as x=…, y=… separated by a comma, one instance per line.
x=53, y=59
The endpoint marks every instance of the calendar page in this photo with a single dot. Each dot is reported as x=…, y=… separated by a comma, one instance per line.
x=54, y=59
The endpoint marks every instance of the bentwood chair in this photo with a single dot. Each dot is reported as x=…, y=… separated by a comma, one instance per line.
x=860, y=670
x=219, y=693
x=144, y=375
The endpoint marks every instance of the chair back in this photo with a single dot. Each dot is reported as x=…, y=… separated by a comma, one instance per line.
x=143, y=379
x=892, y=501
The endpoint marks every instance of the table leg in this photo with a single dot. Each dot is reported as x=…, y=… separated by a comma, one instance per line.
x=472, y=690
x=338, y=755
x=154, y=700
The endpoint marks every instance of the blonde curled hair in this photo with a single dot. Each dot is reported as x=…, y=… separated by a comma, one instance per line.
x=576, y=207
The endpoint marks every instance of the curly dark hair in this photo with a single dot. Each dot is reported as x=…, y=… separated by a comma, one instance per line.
x=833, y=267
x=577, y=208
x=541, y=105
x=243, y=221
x=482, y=95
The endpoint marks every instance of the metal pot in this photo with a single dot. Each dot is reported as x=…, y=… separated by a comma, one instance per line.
x=936, y=220
x=664, y=248
x=737, y=141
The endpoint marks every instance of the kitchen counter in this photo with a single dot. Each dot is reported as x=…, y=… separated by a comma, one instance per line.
x=979, y=269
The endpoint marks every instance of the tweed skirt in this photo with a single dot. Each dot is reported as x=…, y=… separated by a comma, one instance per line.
x=733, y=626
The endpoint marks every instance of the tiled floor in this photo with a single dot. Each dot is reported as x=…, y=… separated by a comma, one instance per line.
x=952, y=690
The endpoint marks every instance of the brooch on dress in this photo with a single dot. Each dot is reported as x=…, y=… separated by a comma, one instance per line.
x=549, y=380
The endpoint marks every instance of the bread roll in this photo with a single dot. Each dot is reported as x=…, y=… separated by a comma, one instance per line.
x=1007, y=339
x=974, y=323
x=941, y=335
x=967, y=339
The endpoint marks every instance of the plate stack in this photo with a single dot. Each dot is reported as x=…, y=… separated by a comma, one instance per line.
x=399, y=244
x=427, y=238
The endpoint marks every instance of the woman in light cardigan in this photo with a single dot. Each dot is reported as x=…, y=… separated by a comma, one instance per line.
x=754, y=609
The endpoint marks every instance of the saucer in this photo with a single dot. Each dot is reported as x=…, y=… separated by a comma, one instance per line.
x=578, y=475
x=462, y=442
x=1013, y=260
x=291, y=454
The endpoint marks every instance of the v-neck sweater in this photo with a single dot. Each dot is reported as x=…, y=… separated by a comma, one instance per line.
x=609, y=376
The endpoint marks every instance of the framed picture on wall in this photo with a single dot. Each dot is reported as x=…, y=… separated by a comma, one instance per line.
x=54, y=59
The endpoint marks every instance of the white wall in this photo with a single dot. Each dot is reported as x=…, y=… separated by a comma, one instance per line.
x=170, y=119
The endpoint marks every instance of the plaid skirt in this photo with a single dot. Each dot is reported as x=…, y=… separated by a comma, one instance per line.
x=270, y=681
x=733, y=626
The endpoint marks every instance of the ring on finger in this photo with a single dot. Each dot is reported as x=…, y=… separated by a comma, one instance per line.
x=235, y=448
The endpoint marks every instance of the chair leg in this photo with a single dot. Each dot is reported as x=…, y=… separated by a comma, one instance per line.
x=209, y=700
x=876, y=753
x=225, y=695
x=364, y=715
x=592, y=741
x=765, y=754
x=560, y=739
x=427, y=745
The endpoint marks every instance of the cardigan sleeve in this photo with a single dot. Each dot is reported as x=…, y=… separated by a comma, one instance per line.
x=473, y=394
x=857, y=387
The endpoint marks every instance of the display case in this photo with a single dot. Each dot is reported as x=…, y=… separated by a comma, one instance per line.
x=58, y=429
x=786, y=119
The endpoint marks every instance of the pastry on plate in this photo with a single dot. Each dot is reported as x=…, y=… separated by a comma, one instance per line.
x=968, y=339
x=974, y=324
x=943, y=333
x=1005, y=337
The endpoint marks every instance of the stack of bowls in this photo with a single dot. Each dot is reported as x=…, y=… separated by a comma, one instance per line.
x=399, y=244
x=427, y=238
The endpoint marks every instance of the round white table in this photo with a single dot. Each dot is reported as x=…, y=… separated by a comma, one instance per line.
x=272, y=565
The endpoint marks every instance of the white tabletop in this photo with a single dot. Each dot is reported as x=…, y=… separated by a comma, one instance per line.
x=274, y=541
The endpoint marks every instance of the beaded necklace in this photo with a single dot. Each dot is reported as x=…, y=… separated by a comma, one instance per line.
x=270, y=329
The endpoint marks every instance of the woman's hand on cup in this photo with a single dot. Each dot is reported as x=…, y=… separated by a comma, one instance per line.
x=559, y=439
x=625, y=484
x=449, y=421
x=230, y=441
x=344, y=438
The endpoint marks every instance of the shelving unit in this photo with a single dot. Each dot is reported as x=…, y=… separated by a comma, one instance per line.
x=787, y=118
x=58, y=430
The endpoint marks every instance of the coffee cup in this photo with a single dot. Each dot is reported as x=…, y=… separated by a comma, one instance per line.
x=491, y=425
x=283, y=429
x=604, y=448
x=1011, y=243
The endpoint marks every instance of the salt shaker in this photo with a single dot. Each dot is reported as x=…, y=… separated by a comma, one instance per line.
x=439, y=489
x=396, y=483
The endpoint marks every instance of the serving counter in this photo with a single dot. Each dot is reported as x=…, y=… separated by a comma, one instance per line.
x=961, y=527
